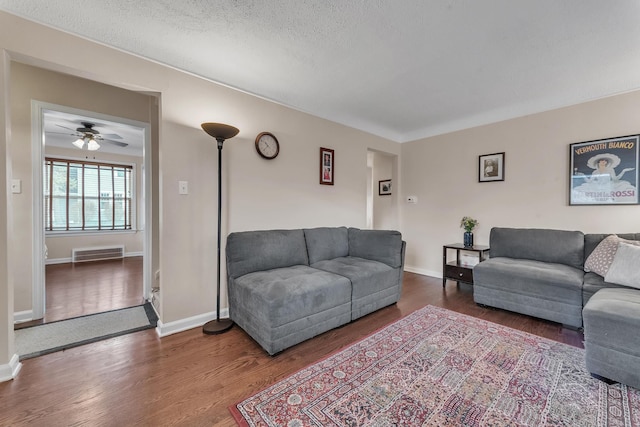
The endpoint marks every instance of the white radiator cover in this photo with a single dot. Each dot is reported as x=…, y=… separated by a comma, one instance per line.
x=97, y=253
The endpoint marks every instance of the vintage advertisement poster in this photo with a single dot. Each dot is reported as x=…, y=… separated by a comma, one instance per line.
x=604, y=172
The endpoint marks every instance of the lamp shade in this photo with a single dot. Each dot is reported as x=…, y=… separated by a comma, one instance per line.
x=78, y=142
x=220, y=130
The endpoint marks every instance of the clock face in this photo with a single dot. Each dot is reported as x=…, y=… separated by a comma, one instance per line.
x=267, y=145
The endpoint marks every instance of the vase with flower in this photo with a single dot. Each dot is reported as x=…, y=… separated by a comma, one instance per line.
x=468, y=224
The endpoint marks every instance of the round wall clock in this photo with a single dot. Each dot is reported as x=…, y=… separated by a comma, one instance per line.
x=267, y=145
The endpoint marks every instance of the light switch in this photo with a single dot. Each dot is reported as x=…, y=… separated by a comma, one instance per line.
x=16, y=186
x=412, y=199
x=183, y=187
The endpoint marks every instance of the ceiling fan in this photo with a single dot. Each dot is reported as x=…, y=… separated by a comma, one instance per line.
x=88, y=135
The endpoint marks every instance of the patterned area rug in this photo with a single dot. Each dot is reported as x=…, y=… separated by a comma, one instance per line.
x=440, y=368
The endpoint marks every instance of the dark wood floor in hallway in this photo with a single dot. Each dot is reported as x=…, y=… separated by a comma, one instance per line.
x=80, y=289
x=190, y=378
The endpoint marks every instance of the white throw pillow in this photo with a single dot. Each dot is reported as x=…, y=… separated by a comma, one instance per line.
x=625, y=268
x=602, y=256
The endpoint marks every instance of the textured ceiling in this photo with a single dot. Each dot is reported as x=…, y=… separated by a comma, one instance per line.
x=401, y=69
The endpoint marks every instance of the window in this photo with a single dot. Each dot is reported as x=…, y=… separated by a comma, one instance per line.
x=87, y=196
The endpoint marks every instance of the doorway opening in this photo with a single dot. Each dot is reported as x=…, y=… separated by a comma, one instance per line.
x=89, y=201
x=382, y=190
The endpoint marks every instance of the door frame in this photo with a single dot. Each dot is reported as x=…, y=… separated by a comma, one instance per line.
x=37, y=159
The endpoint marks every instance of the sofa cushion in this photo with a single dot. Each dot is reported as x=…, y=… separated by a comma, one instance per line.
x=553, y=246
x=593, y=283
x=602, y=256
x=611, y=339
x=283, y=295
x=326, y=243
x=378, y=245
x=249, y=251
x=366, y=276
x=374, y=284
x=548, y=281
x=625, y=268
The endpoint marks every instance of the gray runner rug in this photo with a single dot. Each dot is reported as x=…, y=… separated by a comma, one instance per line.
x=55, y=336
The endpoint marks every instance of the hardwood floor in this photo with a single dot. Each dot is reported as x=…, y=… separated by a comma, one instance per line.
x=74, y=290
x=190, y=378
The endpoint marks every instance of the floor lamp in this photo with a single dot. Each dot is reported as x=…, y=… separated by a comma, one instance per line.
x=220, y=132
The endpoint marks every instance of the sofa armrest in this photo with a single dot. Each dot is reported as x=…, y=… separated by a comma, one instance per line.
x=378, y=245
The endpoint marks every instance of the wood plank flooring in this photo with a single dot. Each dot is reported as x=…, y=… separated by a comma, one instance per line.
x=190, y=379
x=79, y=289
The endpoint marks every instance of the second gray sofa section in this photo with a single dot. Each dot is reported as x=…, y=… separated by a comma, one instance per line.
x=286, y=286
x=538, y=272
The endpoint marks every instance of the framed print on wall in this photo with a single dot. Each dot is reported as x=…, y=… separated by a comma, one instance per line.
x=604, y=171
x=491, y=167
x=384, y=187
x=327, y=166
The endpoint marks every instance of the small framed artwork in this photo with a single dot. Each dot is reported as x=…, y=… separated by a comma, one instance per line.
x=604, y=171
x=384, y=187
x=327, y=166
x=491, y=167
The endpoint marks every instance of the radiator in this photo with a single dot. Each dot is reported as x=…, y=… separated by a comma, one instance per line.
x=97, y=254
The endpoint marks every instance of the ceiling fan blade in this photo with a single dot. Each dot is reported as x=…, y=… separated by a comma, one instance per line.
x=66, y=127
x=118, y=143
x=63, y=133
x=111, y=135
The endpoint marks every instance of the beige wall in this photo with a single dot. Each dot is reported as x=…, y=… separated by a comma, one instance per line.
x=258, y=194
x=443, y=172
x=32, y=83
x=60, y=247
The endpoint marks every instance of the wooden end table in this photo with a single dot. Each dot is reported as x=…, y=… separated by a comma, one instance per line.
x=455, y=270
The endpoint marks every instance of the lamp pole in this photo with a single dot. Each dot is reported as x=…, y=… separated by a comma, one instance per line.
x=220, y=132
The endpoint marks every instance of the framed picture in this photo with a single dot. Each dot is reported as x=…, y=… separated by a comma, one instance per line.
x=604, y=171
x=491, y=167
x=384, y=187
x=327, y=166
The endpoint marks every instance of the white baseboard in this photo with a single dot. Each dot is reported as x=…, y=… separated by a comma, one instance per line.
x=431, y=273
x=11, y=369
x=23, y=316
x=57, y=261
x=164, y=329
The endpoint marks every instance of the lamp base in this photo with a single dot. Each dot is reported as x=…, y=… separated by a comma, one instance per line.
x=217, y=326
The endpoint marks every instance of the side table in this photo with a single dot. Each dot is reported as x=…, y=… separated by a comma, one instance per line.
x=455, y=270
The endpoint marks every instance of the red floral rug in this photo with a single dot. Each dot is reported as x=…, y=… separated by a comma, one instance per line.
x=436, y=367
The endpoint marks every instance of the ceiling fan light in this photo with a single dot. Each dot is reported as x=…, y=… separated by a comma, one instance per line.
x=79, y=143
x=93, y=145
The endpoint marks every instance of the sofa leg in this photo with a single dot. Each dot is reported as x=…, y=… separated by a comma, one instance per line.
x=603, y=379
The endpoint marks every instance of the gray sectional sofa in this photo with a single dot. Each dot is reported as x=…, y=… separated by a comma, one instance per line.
x=286, y=286
x=540, y=272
